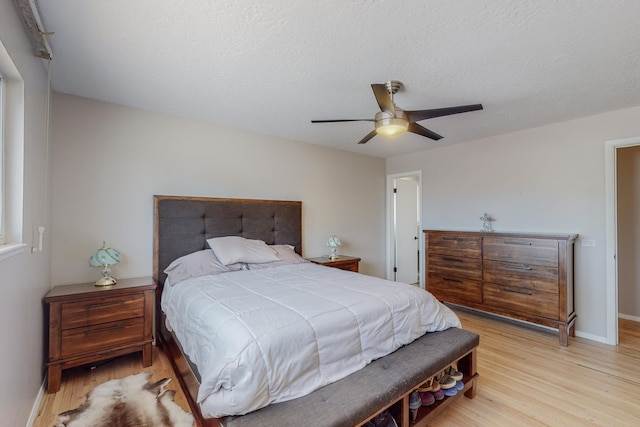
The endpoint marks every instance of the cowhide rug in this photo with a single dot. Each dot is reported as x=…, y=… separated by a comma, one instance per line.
x=128, y=402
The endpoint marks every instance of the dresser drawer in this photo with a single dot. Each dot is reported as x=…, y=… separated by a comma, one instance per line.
x=105, y=335
x=456, y=290
x=347, y=265
x=457, y=245
x=97, y=311
x=456, y=266
x=521, y=250
x=540, y=278
x=521, y=300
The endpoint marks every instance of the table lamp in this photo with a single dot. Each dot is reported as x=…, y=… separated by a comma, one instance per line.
x=333, y=242
x=104, y=258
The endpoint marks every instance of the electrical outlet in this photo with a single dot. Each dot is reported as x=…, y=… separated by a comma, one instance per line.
x=589, y=243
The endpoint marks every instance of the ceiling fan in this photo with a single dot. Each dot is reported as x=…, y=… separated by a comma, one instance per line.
x=393, y=121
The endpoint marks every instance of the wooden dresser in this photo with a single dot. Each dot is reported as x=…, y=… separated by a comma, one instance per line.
x=524, y=276
x=88, y=324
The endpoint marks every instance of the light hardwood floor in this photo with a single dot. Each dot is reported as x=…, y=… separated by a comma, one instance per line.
x=526, y=379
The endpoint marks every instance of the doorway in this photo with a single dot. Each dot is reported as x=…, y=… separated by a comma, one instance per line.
x=404, y=235
x=611, y=214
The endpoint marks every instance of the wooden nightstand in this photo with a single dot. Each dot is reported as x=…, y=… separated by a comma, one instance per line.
x=88, y=324
x=348, y=263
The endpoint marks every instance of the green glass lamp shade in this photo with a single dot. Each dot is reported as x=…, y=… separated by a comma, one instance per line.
x=104, y=258
x=333, y=242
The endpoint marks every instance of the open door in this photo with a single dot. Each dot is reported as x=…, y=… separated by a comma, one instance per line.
x=405, y=229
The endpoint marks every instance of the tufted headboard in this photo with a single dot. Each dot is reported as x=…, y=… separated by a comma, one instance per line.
x=183, y=224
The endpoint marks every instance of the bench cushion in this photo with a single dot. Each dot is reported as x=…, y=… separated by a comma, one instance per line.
x=354, y=398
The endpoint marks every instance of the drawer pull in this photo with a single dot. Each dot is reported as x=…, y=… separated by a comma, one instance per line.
x=518, y=267
x=517, y=291
x=507, y=242
x=452, y=280
x=104, y=304
x=452, y=259
x=111, y=328
x=456, y=239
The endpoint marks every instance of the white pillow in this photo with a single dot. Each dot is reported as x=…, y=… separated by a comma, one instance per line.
x=233, y=249
x=286, y=253
x=196, y=264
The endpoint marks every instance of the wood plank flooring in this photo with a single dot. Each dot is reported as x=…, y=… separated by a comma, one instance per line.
x=526, y=379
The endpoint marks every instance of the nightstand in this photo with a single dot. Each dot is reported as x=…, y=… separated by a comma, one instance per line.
x=348, y=263
x=88, y=324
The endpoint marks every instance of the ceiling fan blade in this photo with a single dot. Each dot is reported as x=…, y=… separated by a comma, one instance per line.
x=342, y=120
x=417, y=129
x=417, y=115
x=384, y=99
x=368, y=137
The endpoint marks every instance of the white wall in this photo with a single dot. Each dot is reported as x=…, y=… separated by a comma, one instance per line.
x=628, y=199
x=24, y=278
x=547, y=179
x=109, y=161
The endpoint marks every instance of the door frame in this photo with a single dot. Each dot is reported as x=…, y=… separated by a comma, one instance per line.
x=611, y=232
x=390, y=221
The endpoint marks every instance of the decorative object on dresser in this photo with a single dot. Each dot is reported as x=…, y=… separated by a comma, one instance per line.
x=486, y=222
x=345, y=262
x=333, y=242
x=104, y=258
x=88, y=324
x=526, y=276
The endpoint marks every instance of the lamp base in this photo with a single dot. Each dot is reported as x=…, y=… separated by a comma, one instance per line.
x=106, y=281
x=333, y=256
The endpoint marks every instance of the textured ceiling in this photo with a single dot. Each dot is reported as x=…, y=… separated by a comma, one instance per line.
x=272, y=66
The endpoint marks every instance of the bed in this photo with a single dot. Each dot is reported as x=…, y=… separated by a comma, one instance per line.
x=182, y=227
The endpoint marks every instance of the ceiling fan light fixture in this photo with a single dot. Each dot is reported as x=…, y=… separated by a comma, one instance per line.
x=392, y=121
x=391, y=127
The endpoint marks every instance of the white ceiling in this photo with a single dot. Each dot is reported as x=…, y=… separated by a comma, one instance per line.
x=272, y=66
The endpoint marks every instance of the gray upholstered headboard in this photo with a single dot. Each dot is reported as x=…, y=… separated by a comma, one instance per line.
x=183, y=224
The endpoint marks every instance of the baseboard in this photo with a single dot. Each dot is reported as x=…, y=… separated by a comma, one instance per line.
x=36, y=405
x=606, y=340
x=592, y=337
x=629, y=317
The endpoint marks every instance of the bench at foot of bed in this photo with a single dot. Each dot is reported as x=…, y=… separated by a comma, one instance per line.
x=385, y=384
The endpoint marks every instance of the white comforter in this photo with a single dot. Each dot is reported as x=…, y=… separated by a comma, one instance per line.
x=271, y=335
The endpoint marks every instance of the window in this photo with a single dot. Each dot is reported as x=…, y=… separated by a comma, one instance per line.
x=12, y=116
x=1, y=162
